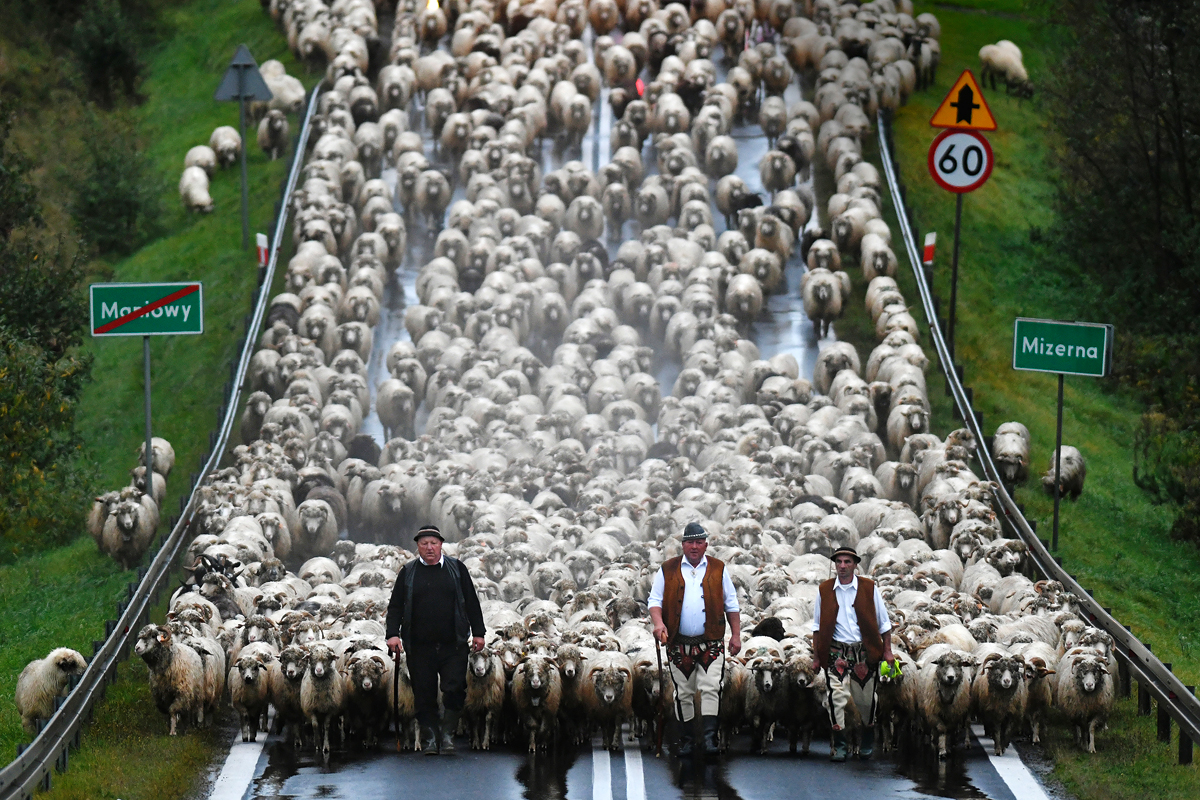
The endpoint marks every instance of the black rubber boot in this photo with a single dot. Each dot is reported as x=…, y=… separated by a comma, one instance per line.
x=712, y=736
x=449, y=726
x=866, y=746
x=838, y=752
x=686, y=745
x=429, y=740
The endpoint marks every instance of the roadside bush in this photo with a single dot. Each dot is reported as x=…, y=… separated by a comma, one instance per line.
x=105, y=45
x=116, y=204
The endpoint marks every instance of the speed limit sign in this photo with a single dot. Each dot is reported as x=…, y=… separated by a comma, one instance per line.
x=960, y=160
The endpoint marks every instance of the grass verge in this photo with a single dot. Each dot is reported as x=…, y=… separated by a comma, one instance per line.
x=1114, y=540
x=62, y=597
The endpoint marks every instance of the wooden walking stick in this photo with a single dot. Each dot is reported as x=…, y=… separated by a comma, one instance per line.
x=396, y=700
x=662, y=702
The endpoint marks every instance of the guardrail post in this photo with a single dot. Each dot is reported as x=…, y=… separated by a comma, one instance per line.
x=1144, y=695
x=1185, y=741
x=1164, y=718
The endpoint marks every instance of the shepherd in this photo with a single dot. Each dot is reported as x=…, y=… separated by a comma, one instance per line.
x=851, y=636
x=690, y=601
x=433, y=614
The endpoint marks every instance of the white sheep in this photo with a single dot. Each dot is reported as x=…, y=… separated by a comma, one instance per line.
x=176, y=675
x=1004, y=59
x=250, y=690
x=1073, y=471
x=943, y=694
x=322, y=693
x=201, y=156
x=43, y=680
x=193, y=190
x=824, y=294
x=1085, y=694
x=226, y=142
x=1010, y=449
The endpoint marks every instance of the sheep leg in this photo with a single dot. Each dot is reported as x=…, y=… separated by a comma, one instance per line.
x=1091, y=735
x=806, y=742
x=1035, y=725
x=174, y=721
x=942, y=751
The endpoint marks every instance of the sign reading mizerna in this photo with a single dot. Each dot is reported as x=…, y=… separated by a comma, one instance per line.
x=1070, y=348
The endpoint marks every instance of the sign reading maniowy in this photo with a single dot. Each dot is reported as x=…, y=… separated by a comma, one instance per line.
x=146, y=309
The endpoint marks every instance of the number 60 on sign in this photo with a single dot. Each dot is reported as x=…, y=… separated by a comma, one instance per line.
x=960, y=161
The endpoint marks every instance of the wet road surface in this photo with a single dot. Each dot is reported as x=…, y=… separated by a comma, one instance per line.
x=590, y=773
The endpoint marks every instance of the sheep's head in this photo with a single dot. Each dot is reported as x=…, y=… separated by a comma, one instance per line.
x=609, y=683
x=952, y=671
x=765, y=677
x=321, y=662
x=368, y=673
x=1004, y=673
x=1089, y=673
x=481, y=663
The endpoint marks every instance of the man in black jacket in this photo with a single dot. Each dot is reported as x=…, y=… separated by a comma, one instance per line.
x=433, y=613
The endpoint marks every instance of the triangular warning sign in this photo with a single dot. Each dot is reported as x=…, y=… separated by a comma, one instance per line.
x=964, y=107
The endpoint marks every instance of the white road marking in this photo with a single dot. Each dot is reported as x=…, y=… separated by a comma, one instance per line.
x=240, y=766
x=601, y=774
x=635, y=780
x=1012, y=770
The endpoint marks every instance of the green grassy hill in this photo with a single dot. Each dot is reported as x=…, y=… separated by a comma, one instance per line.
x=62, y=597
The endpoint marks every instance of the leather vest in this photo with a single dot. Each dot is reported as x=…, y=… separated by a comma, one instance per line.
x=864, y=611
x=714, y=598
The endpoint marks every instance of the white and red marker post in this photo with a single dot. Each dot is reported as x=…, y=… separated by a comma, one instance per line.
x=264, y=252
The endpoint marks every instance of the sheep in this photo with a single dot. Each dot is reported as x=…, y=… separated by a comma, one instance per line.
x=249, y=684
x=1085, y=694
x=825, y=294
x=766, y=697
x=536, y=694
x=999, y=694
x=485, y=697
x=1073, y=472
x=1010, y=449
x=156, y=489
x=201, y=156
x=176, y=675
x=41, y=681
x=904, y=421
x=226, y=142
x=273, y=134
x=368, y=679
x=128, y=532
x=318, y=529
x=163, y=460
x=193, y=190
x=943, y=695
x=607, y=692
x=1004, y=59
x=322, y=694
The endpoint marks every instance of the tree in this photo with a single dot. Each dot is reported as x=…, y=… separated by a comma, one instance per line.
x=105, y=45
x=116, y=199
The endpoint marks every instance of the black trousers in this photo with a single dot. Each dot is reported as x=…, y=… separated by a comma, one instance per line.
x=427, y=662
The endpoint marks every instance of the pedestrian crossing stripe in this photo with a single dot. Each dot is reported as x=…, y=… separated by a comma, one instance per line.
x=964, y=107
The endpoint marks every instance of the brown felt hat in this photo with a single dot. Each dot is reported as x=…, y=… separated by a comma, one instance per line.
x=846, y=551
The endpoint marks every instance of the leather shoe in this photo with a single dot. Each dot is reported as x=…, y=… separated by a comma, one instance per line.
x=449, y=726
x=866, y=747
x=712, y=735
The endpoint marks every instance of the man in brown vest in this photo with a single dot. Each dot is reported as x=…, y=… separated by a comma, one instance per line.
x=690, y=600
x=851, y=636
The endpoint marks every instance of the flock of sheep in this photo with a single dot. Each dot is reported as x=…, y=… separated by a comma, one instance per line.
x=225, y=145
x=556, y=466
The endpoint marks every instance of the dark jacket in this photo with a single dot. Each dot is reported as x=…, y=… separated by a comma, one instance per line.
x=468, y=616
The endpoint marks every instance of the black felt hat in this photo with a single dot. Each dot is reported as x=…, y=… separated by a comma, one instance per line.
x=428, y=530
x=694, y=532
x=846, y=551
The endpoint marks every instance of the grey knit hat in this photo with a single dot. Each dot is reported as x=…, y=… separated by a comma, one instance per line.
x=693, y=532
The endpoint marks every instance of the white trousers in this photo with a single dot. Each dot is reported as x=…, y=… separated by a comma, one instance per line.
x=843, y=692
x=706, y=682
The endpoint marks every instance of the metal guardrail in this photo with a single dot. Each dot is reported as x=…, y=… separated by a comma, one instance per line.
x=50, y=749
x=1154, y=676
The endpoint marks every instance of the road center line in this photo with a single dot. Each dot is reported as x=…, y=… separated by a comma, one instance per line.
x=1011, y=769
x=601, y=774
x=635, y=781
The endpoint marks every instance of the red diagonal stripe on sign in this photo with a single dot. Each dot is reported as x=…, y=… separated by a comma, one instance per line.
x=144, y=310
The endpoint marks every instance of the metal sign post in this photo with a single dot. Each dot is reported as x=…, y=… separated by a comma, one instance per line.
x=243, y=82
x=1065, y=348
x=146, y=309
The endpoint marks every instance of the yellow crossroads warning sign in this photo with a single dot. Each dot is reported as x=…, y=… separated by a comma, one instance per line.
x=964, y=107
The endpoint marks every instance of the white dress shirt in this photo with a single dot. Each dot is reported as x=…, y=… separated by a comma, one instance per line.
x=846, y=629
x=691, y=619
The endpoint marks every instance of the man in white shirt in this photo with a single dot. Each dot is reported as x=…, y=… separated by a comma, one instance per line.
x=851, y=636
x=690, y=600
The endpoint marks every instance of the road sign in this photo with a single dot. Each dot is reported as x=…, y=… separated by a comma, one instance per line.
x=964, y=107
x=242, y=80
x=146, y=309
x=960, y=161
x=1070, y=348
